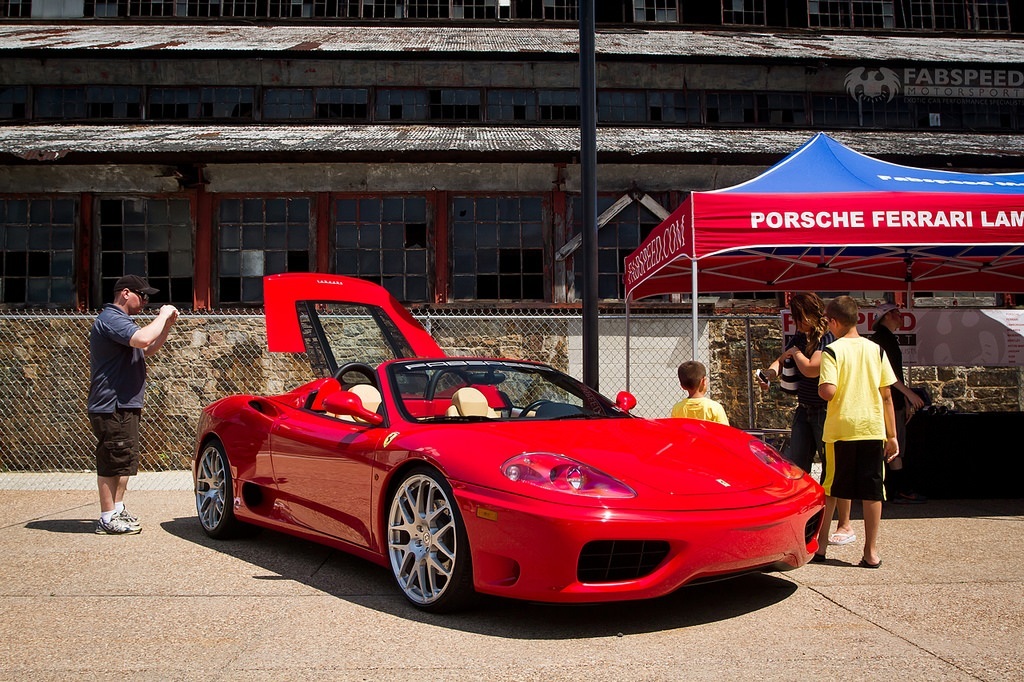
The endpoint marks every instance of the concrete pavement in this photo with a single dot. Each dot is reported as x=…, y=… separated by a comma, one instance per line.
x=171, y=604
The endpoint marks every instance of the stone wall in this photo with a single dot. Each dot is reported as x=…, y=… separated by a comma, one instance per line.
x=44, y=377
x=958, y=389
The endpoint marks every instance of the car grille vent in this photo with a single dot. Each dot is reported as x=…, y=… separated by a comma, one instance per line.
x=604, y=561
x=813, y=524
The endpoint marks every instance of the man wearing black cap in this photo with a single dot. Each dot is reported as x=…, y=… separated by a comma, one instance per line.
x=118, y=349
x=899, y=482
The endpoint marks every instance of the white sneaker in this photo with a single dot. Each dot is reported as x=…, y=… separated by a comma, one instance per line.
x=116, y=526
x=129, y=518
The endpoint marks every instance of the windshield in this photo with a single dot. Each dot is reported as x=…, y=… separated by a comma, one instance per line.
x=469, y=390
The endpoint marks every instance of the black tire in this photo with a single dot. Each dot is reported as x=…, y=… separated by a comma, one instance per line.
x=215, y=494
x=427, y=543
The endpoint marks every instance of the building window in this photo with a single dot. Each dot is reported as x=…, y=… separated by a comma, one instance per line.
x=37, y=242
x=60, y=103
x=508, y=106
x=944, y=114
x=560, y=10
x=614, y=106
x=851, y=14
x=449, y=104
x=842, y=111
x=113, y=102
x=151, y=8
x=384, y=9
x=287, y=103
x=345, y=104
x=559, y=106
x=342, y=9
x=985, y=114
x=186, y=103
x=384, y=240
x=199, y=8
x=673, y=107
x=743, y=12
x=106, y=8
x=655, y=11
x=149, y=237
x=781, y=109
x=239, y=8
x=402, y=105
x=498, y=248
x=14, y=102
x=481, y=9
x=290, y=8
x=616, y=239
x=426, y=9
x=938, y=14
x=730, y=108
x=258, y=237
x=16, y=9
x=991, y=15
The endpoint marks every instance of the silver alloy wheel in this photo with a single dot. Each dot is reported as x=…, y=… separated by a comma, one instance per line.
x=422, y=539
x=211, y=487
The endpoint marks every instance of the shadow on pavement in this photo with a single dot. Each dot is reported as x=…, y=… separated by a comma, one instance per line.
x=366, y=584
x=64, y=525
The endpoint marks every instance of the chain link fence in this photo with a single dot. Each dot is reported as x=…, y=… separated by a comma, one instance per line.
x=46, y=440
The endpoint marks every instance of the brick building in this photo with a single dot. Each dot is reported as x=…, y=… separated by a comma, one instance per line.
x=433, y=145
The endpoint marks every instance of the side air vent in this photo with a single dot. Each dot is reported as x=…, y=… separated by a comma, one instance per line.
x=813, y=524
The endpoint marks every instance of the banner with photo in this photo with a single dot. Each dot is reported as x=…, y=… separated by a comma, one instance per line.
x=966, y=337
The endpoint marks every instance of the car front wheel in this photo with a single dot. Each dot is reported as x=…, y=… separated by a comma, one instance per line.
x=427, y=543
x=214, y=493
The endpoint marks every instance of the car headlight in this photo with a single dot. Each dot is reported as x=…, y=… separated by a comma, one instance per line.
x=559, y=473
x=774, y=460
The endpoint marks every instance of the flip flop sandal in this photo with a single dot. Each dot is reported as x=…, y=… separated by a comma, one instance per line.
x=842, y=538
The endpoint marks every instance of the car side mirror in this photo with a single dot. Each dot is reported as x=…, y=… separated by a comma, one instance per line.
x=348, y=404
x=625, y=401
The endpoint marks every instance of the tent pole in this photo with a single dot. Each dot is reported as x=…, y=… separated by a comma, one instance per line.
x=627, y=342
x=693, y=312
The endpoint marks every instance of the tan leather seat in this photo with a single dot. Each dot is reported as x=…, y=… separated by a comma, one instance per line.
x=470, y=402
x=369, y=396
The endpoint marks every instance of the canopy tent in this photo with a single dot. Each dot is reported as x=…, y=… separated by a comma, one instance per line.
x=827, y=218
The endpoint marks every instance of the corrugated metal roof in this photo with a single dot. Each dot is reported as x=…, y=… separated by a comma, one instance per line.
x=48, y=143
x=510, y=40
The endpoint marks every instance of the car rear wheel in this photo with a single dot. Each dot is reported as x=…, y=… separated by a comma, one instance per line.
x=214, y=493
x=427, y=543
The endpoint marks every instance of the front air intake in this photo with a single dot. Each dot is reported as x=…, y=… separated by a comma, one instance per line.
x=606, y=561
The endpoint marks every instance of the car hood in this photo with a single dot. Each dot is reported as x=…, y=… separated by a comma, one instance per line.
x=674, y=457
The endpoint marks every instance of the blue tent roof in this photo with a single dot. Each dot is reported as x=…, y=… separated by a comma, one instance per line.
x=823, y=164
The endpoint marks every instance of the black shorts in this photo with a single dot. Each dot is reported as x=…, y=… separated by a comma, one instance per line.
x=855, y=469
x=117, y=442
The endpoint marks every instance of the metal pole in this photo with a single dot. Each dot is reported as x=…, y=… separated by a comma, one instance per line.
x=693, y=310
x=588, y=170
x=627, y=342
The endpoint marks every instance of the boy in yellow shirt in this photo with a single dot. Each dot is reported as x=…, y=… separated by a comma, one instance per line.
x=860, y=424
x=693, y=377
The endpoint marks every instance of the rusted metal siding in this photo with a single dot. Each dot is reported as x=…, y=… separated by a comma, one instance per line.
x=508, y=40
x=51, y=143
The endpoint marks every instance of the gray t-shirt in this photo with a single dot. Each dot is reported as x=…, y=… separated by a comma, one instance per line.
x=118, y=370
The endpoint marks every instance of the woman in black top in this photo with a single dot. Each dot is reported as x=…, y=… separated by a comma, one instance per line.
x=805, y=439
x=805, y=349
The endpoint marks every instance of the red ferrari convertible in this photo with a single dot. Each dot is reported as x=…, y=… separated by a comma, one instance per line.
x=480, y=475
